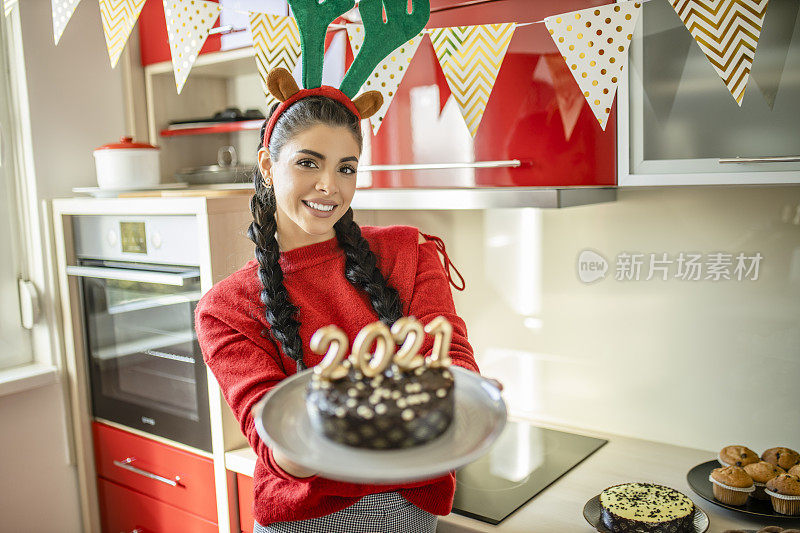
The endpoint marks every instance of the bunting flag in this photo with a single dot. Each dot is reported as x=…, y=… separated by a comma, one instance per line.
x=470, y=57
x=727, y=31
x=386, y=77
x=8, y=5
x=276, y=41
x=119, y=17
x=594, y=43
x=188, y=23
x=62, y=12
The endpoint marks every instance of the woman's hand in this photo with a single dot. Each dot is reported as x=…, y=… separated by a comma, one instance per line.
x=290, y=467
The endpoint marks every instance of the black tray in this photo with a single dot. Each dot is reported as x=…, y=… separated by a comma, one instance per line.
x=592, y=510
x=698, y=481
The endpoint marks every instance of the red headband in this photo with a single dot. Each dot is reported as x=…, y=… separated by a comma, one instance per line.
x=324, y=90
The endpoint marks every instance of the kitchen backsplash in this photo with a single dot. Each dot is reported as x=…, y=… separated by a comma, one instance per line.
x=694, y=359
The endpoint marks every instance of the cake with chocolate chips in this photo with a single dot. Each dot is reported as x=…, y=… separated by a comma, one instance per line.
x=646, y=507
x=394, y=409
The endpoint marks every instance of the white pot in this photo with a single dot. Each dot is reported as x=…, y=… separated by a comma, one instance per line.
x=127, y=165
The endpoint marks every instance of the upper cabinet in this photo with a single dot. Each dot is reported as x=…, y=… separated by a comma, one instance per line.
x=536, y=113
x=679, y=125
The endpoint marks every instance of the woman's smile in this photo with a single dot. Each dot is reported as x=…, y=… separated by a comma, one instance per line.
x=320, y=209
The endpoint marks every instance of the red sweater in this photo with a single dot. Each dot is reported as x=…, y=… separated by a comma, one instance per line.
x=230, y=317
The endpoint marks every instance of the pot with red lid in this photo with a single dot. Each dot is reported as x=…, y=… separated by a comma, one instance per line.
x=127, y=165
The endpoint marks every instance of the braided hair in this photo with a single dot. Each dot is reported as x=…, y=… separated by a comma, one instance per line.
x=360, y=268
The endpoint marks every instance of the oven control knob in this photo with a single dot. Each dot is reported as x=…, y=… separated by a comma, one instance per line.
x=155, y=238
x=111, y=237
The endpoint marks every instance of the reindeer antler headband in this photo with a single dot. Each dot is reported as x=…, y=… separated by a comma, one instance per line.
x=381, y=39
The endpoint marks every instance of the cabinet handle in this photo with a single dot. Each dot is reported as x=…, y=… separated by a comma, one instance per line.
x=767, y=159
x=435, y=166
x=126, y=465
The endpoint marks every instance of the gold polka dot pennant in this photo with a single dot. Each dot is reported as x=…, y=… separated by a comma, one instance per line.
x=470, y=57
x=188, y=23
x=276, y=41
x=119, y=17
x=727, y=31
x=62, y=12
x=8, y=5
x=386, y=77
x=594, y=43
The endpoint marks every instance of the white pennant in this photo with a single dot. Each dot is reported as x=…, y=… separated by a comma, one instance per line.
x=62, y=12
x=188, y=23
x=594, y=43
x=386, y=77
x=119, y=17
x=276, y=41
x=727, y=31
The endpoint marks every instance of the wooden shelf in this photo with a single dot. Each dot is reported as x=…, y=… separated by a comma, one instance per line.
x=217, y=127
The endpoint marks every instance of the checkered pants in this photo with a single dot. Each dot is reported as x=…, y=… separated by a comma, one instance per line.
x=384, y=512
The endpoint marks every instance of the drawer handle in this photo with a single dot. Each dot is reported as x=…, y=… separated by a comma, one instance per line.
x=126, y=465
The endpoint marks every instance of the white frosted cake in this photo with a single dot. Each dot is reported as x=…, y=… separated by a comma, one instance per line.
x=646, y=508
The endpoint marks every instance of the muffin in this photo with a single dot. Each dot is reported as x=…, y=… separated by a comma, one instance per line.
x=785, y=458
x=761, y=472
x=731, y=485
x=795, y=471
x=784, y=491
x=737, y=456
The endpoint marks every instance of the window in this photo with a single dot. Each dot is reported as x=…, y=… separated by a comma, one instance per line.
x=15, y=235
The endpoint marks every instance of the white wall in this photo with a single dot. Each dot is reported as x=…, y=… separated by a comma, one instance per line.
x=76, y=105
x=695, y=363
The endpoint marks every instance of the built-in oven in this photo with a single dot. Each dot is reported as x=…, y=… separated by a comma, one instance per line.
x=139, y=285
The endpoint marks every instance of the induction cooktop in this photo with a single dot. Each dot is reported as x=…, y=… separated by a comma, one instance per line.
x=523, y=462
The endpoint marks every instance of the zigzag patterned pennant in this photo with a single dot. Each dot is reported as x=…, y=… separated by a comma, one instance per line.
x=188, y=22
x=470, y=57
x=594, y=43
x=386, y=77
x=276, y=40
x=8, y=5
x=727, y=32
x=62, y=12
x=119, y=17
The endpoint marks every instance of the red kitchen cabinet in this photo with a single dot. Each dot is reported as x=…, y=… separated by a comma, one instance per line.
x=166, y=474
x=522, y=119
x=153, y=40
x=128, y=510
x=245, y=486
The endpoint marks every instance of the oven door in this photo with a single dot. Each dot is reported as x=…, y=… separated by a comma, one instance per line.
x=146, y=367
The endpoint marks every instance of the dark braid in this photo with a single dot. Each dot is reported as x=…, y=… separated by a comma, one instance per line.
x=360, y=268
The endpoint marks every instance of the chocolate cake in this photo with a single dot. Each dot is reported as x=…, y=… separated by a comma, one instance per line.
x=394, y=409
x=645, y=507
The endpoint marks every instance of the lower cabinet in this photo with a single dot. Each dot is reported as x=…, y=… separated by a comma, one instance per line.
x=149, y=486
x=123, y=509
x=245, y=486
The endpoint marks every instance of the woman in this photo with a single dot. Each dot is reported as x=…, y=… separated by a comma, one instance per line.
x=315, y=266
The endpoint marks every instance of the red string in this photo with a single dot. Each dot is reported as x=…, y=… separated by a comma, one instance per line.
x=447, y=263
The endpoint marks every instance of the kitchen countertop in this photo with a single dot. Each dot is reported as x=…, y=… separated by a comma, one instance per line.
x=559, y=508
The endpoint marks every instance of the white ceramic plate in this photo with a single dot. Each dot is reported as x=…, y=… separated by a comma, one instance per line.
x=480, y=415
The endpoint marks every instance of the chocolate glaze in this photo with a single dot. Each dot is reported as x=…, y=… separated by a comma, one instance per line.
x=396, y=409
